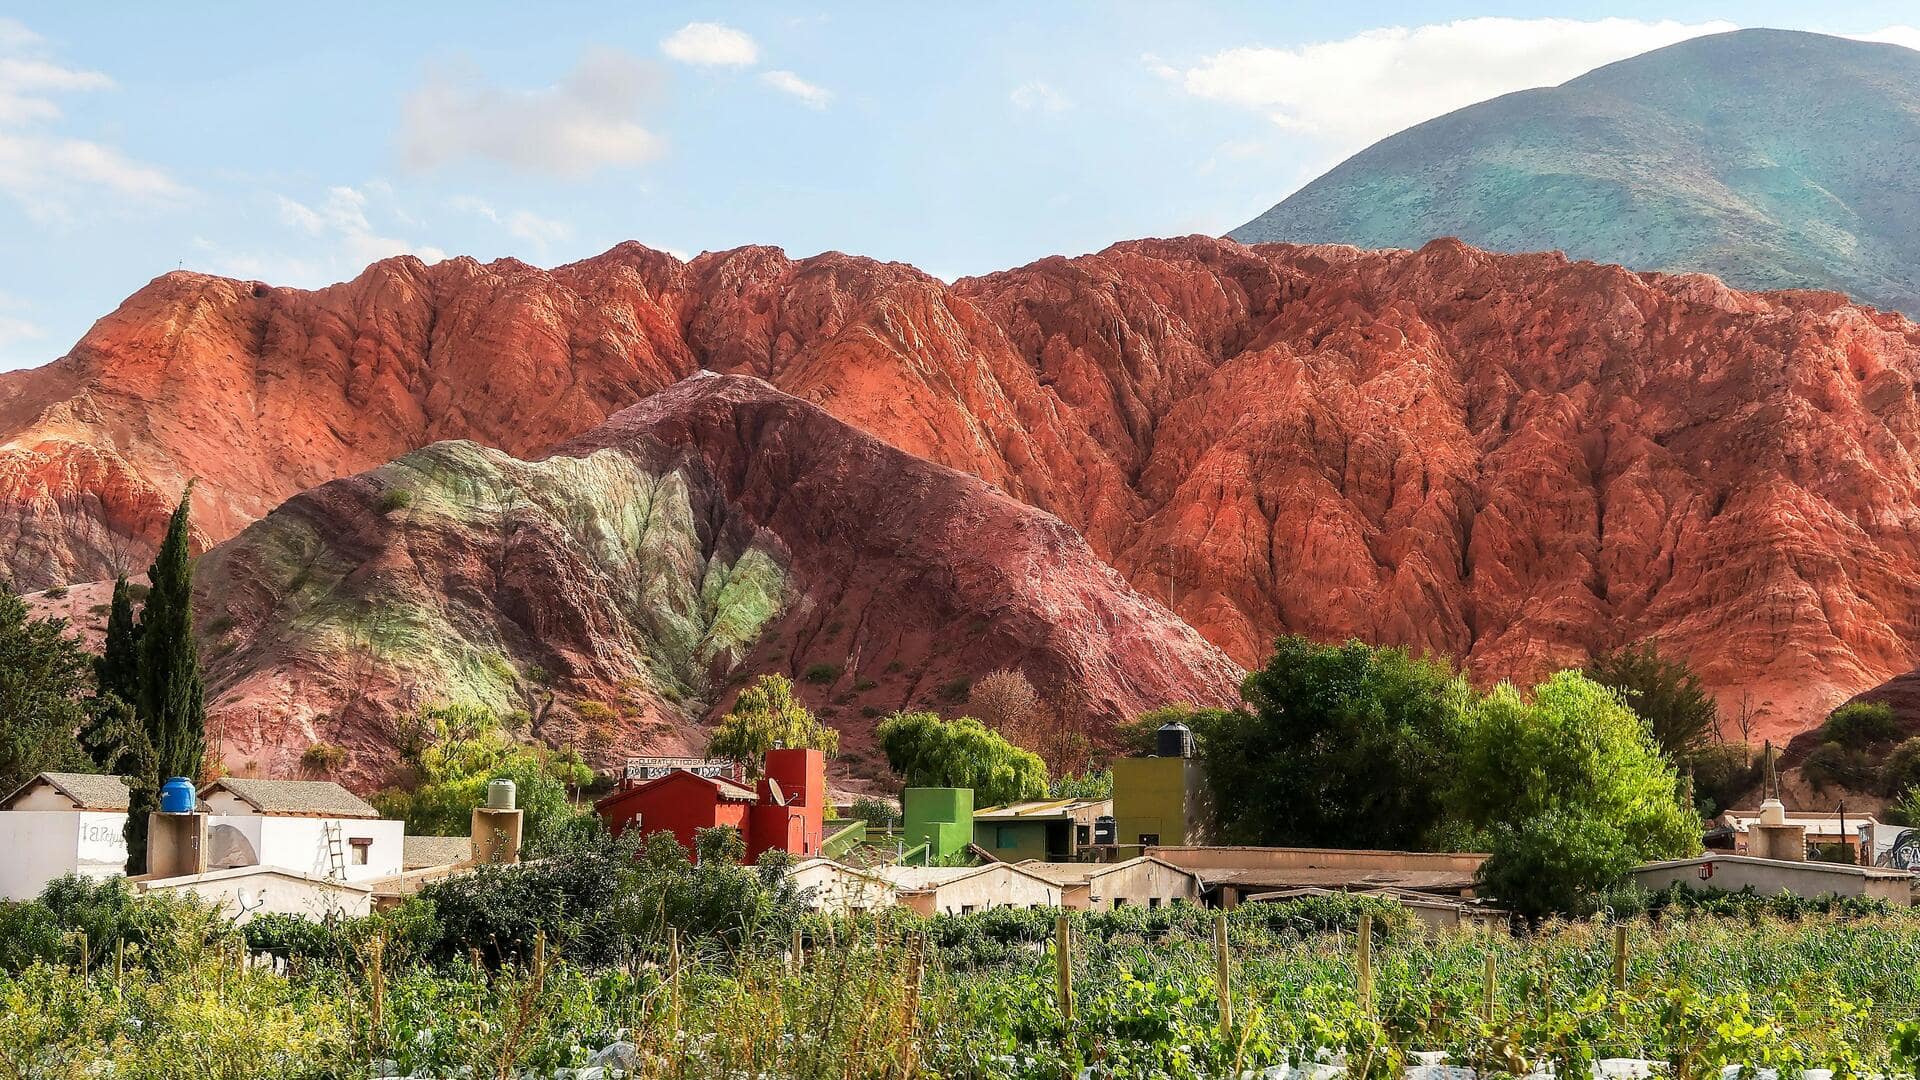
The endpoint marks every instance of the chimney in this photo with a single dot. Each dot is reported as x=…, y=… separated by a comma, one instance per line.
x=497, y=826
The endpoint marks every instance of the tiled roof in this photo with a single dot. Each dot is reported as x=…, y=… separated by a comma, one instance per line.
x=419, y=852
x=310, y=798
x=89, y=791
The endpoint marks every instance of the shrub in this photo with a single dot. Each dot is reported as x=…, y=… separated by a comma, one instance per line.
x=1833, y=764
x=395, y=498
x=58, y=592
x=323, y=757
x=1722, y=774
x=876, y=812
x=1861, y=724
x=1902, y=769
x=955, y=690
x=822, y=674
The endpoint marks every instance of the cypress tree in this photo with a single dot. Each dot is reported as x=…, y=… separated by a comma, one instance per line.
x=117, y=669
x=168, y=700
x=171, y=702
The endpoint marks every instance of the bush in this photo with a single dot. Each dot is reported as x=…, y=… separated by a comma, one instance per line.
x=822, y=674
x=323, y=757
x=395, y=498
x=877, y=813
x=1861, y=724
x=1722, y=774
x=98, y=915
x=1901, y=772
x=1833, y=764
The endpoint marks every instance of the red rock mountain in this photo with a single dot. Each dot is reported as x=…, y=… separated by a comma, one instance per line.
x=615, y=588
x=1514, y=460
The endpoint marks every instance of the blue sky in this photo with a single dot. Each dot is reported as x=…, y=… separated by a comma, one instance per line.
x=295, y=148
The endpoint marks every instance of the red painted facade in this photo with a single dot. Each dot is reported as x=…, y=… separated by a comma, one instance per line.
x=787, y=812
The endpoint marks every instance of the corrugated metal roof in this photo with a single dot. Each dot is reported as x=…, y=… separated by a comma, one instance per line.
x=310, y=798
x=1339, y=878
x=1080, y=873
x=89, y=791
x=423, y=851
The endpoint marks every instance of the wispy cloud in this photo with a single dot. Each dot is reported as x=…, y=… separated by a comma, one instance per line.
x=809, y=94
x=42, y=168
x=1908, y=36
x=1358, y=89
x=711, y=45
x=1039, y=96
x=332, y=238
x=525, y=225
x=587, y=122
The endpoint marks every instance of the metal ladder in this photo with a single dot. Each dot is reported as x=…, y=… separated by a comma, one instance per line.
x=336, y=851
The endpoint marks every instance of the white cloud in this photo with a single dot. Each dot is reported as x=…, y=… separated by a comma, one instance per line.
x=810, y=95
x=341, y=219
x=336, y=239
x=1908, y=36
x=589, y=121
x=46, y=170
x=1041, y=96
x=520, y=224
x=1362, y=88
x=711, y=44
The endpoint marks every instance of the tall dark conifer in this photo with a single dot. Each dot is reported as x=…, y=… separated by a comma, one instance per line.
x=169, y=699
x=171, y=702
x=117, y=669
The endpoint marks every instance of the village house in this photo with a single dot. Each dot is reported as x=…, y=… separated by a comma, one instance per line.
x=1054, y=830
x=826, y=885
x=58, y=824
x=963, y=890
x=1139, y=882
x=1233, y=874
x=314, y=828
x=1772, y=877
x=784, y=811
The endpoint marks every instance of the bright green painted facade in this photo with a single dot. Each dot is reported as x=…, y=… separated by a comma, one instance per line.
x=1012, y=841
x=941, y=818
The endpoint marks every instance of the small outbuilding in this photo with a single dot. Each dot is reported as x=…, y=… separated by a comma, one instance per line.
x=58, y=824
x=1771, y=877
x=1138, y=882
x=245, y=893
x=963, y=890
x=1053, y=830
x=827, y=885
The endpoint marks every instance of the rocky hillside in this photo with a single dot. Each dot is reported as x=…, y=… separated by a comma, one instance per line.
x=616, y=587
x=1772, y=158
x=1512, y=460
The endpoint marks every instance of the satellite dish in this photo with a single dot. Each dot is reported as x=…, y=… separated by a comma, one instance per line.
x=248, y=902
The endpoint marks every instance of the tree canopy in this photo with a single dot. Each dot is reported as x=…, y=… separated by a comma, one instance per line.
x=45, y=683
x=1337, y=743
x=1664, y=692
x=766, y=715
x=453, y=750
x=1572, y=789
x=928, y=751
x=172, y=702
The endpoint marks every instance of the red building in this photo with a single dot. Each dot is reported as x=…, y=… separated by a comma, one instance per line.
x=785, y=812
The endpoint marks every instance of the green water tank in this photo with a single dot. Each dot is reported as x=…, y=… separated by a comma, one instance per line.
x=941, y=818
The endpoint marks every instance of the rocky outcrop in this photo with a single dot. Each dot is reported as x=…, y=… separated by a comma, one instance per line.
x=617, y=588
x=1512, y=460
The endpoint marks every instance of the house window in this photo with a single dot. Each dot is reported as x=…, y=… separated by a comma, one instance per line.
x=360, y=845
x=1006, y=836
x=1153, y=901
x=1149, y=839
x=966, y=909
x=1082, y=835
x=1119, y=902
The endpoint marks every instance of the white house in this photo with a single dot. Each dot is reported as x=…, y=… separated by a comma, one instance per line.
x=61, y=823
x=963, y=890
x=314, y=828
x=1143, y=881
x=245, y=893
x=827, y=885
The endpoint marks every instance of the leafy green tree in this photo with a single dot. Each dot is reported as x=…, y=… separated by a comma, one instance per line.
x=453, y=750
x=45, y=686
x=1139, y=737
x=1339, y=744
x=171, y=700
x=1087, y=785
x=1905, y=810
x=1665, y=693
x=1571, y=787
x=1861, y=724
x=928, y=751
x=766, y=716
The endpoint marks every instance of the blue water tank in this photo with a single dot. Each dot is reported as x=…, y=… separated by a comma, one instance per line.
x=176, y=796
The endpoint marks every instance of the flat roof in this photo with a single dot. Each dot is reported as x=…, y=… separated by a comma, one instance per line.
x=1040, y=809
x=1780, y=864
x=1338, y=878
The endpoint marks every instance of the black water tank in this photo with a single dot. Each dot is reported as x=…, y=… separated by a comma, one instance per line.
x=1104, y=831
x=1174, y=739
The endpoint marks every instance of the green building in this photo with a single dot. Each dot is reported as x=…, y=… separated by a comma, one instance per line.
x=940, y=818
x=1051, y=830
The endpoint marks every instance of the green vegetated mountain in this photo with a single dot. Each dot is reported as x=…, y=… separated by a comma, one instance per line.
x=615, y=589
x=1773, y=159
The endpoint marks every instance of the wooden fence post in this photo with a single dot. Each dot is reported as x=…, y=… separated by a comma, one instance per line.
x=539, y=961
x=376, y=986
x=119, y=969
x=1365, y=961
x=1223, y=972
x=799, y=954
x=1620, y=957
x=673, y=975
x=1063, y=966
x=1492, y=985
